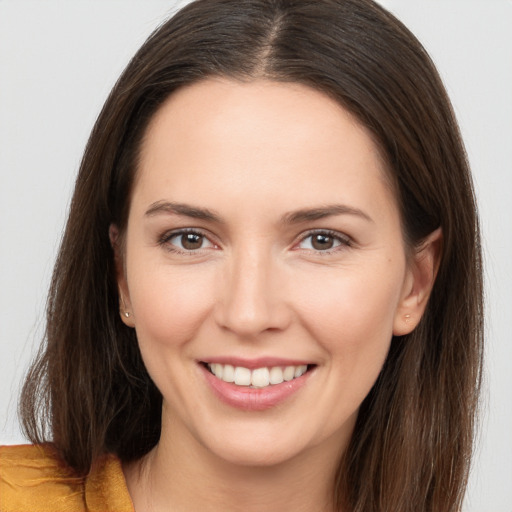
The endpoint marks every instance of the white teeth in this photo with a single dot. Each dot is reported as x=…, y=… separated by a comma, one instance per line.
x=300, y=370
x=260, y=378
x=276, y=375
x=257, y=378
x=217, y=370
x=242, y=376
x=289, y=373
x=228, y=374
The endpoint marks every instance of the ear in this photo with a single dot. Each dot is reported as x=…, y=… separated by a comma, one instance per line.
x=418, y=284
x=125, y=308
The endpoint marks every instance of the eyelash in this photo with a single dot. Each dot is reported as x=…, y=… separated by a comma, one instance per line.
x=165, y=239
x=344, y=241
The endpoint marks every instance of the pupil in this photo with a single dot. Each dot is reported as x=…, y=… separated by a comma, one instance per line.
x=322, y=242
x=192, y=241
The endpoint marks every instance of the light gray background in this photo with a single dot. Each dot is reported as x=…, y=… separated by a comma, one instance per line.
x=58, y=61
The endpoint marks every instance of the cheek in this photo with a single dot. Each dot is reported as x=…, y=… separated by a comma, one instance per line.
x=352, y=315
x=169, y=304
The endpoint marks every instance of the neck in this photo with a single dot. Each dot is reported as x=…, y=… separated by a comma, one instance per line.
x=185, y=476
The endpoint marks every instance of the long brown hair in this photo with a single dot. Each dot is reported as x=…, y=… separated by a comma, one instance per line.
x=88, y=391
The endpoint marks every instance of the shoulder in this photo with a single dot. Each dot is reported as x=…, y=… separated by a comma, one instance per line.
x=33, y=478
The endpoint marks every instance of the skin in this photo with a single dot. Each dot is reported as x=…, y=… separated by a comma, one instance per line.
x=253, y=154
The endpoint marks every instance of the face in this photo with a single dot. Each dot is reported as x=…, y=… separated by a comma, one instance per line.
x=263, y=247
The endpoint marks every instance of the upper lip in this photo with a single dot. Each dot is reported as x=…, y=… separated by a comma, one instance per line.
x=260, y=362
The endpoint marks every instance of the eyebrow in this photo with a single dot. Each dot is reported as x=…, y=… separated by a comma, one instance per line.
x=296, y=217
x=310, y=214
x=183, y=209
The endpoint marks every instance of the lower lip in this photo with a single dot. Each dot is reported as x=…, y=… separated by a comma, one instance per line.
x=254, y=399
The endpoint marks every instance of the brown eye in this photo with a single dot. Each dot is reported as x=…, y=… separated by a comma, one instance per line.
x=189, y=241
x=323, y=241
x=192, y=241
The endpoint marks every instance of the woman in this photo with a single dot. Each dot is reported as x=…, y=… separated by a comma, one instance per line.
x=268, y=294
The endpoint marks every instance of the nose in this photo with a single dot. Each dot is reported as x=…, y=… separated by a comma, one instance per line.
x=253, y=297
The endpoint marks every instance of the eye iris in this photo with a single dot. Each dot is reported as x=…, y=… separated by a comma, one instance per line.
x=322, y=242
x=191, y=241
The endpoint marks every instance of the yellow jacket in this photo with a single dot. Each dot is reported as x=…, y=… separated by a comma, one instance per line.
x=33, y=479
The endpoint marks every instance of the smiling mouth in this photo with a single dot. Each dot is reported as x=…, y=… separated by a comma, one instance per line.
x=259, y=377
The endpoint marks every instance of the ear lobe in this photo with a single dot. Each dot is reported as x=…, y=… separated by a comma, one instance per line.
x=125, y=309
x=421, y=275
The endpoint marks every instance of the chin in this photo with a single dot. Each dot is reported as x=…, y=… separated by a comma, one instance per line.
x=255, y=454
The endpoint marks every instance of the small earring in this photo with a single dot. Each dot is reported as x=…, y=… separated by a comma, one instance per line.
x=407, y=318
x=123, y=306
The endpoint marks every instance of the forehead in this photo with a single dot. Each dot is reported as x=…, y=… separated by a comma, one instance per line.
x=257, y=137
x=257, y=107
